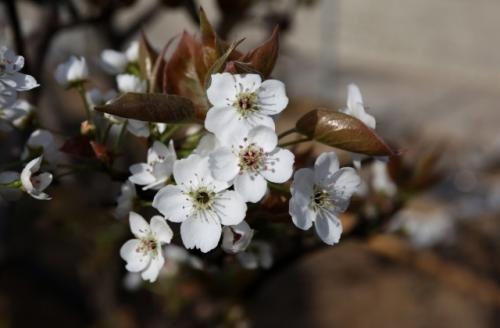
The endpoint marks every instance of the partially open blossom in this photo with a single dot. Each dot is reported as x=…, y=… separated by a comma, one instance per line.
x=155, y=173
x=9, y=186
x=200, y=202
x=250, y=161
x=32, y=182
x=257, y=255
x=126, y=200
x=356, y=108
x=144, y=253
x=72, y=72
x=241, y=102
x=237, y=238
x=319, y=195
x=42, y=142
x=10, y=65
x=116, y=62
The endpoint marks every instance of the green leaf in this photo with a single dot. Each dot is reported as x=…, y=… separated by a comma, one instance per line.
x=152, y=107
x=342, y=131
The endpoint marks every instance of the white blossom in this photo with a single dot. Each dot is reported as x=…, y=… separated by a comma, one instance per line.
x=356, y=108
x=252, y=160
x=381, y=181
x=207, y=144
x=237, y=238
x=42, y=142
x=319, y=195
x=144, y=253
x=259, y=254
x=200, y=202
x=126, y=200
x=10, y=77
x=116, y=62
x=7, y=191
x=34, y=184
x=71, y=72
x=130, y=83
x=18, y=113
x=96, y=97
x=155, y=173
x=138, y=128
x=241, y=102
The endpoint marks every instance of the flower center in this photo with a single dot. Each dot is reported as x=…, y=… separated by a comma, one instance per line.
x=203, y=198
x=246, y=103
x=148, y=245
x=321, y=199
x=252, y=158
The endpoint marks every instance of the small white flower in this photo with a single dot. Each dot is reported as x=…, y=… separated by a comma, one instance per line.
x=155, y=173
x=18, y=113
x=10, y=65
x=130, y=83
x=73, y=71
x=241, y=102
x=356, y=108
x=144, y=253
x=138, y=128
x=381, y=181
x=237, y=238
x=116, y=62
x=200, y=202
x=8, y=194
x=319, y=195
x=42, y=141
x=34, y=184
x=258, y=255
x=97, y=98
x=252, y=160
x=126, y=200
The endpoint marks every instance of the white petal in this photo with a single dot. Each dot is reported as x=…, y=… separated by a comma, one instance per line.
x=207, y=144
x=194, y=171
x=136, y=261
x=299, y=206
x=196, y=232
x=130, y=83
x=247, y=82
x=264, y=137
x=222, y=90
x=138, y=226
x=113, y=62
x=248, y=260
x=256, y=119
x=27, y=172
x=156, y=151
x=153, y=269
x=353, y=96
x=40, y=138
x=251, y=187
x=19, y=81
x=328, y=227
x=138, y=128
x=7, y=96
x=141, y=174
x=172, y=203
x=272, y=97
x=281, y=167
x=326, y=164
x=224, y=164
x=245, y=234
x=344, y=183
x=225, y=123
x=132, y=51
x=161, y=230
x=45, y=179
x=230, y=207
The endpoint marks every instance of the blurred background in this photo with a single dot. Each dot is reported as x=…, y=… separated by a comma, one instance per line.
x=429, y=72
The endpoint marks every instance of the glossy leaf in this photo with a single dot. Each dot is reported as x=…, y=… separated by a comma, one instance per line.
x=342, y=131
x=152, y=107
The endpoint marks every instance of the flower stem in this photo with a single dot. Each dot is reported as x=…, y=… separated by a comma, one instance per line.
x=294, y=142
x=169, y=133
x=81, y=92
x=287, y=132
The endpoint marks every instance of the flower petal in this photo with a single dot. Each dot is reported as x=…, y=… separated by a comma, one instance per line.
x=161, y=230
x=326, y=164
x=230, y=207
x=141, y=174
x=251, y=187
x=195, y=171
x=264, y=137
x=344, y=183
x=153, y=269
x=222, y=90
x=247, y=82
x=272, y=97
x=280, y=166
x=172, y=203
x=299, y=205
x=328, y=227
x=138, y=226
x=225, y=123
x=197, y=232
x=136, y=260
x=113, y=62
x=353, y=96
x=224, y=164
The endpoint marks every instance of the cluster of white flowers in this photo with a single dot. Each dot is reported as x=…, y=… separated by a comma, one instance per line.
x=233, y=164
